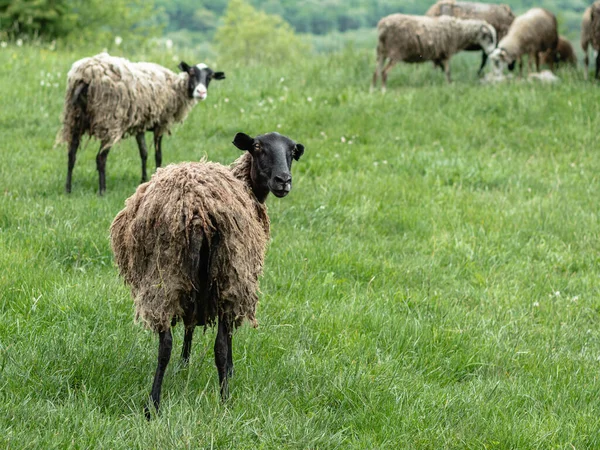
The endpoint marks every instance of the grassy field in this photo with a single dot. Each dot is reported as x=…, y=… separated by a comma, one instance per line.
x=432, y=280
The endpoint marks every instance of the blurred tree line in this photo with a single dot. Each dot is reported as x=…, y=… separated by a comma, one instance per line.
x=89, y=19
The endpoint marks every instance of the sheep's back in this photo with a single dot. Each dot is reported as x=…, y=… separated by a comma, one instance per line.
x=498, y=16
x=158, y=241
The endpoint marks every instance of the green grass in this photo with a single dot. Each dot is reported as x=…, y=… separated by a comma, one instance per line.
x=432, y=284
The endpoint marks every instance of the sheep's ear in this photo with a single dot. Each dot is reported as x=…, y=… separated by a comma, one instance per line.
x=243, y=141
x=298, y=151
x=184, y=67
x=219, y=75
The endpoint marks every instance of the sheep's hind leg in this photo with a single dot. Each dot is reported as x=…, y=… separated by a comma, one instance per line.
x=73, y=146
x=446, y=63
x=141, y=142
x=101, y=166
x=229, y=356
x=221, y=356
x=384, y=74
x=598, y=66
x=187, y=345
x=165, y=344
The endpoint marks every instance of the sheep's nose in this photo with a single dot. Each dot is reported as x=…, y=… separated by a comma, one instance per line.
x=283, y=179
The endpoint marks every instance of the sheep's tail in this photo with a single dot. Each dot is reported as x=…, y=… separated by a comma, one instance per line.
x=74, y=113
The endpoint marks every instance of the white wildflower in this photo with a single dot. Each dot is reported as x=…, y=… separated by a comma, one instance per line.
x=226, y=100
x=384, y=161
x=343, y=139
x=19, y=42
x=278, y=125
x=337, y=155
x=118, y=40
x=281, y=80
x=536, y=304
x=350, y=142
x=242, y=110
x=169, y=44
x=309, y=99
x=375, y=163
x=42, y=83
x=3, y=44
x=557, y=294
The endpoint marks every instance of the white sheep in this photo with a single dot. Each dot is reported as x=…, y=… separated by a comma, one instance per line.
x=530, y=33
x=111, y=98
x=416, y=39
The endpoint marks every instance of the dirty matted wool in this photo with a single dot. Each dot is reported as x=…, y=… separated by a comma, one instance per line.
x=532, y=32
x=123, y=98
x=193, y=238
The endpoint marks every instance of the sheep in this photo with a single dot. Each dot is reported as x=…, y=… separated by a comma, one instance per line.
x=530, y=33
x=595, y=33
x=191, y=245
x=416, y=39
x=498, y=16
x=563, y=53
x=110, y=98
x=586, y=38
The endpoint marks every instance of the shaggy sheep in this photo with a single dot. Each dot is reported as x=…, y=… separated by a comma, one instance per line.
x=498, y=16
x=191, y=245
x=563, y=53
x=111, y=98
x=415, y=39
x=530, y=33
x=595, y=33
x=586, y=38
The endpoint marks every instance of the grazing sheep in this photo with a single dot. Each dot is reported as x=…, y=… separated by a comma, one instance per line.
x=595, y=33
x=563, y=53
x=530, y=33
x=111, y=98
x=191, y=245
x=415, y=39
x=586, y=38
x=498, y=16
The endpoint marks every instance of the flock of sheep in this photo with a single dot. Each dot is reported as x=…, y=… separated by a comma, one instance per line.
x=182, y=241
x=451, y=26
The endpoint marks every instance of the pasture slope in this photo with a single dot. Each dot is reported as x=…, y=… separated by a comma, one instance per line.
x=432, y=281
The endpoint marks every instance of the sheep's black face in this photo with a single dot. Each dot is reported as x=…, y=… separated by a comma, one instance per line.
x=272, y=156
x=200, y=77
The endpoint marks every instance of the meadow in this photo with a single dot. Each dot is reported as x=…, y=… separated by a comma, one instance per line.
x=432, y=279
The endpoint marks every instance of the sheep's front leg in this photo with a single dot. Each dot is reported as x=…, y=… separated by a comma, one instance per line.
x=222, y=345
x=484, y=58
x=598, y=66
x=165, y=344
x=446, y=63
x=101, y=166
x=586, y=63
x=141, y=142
x=73, y=146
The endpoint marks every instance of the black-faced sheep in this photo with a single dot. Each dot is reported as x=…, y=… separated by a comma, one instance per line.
x=416, y=39
x=111, y=98
x=530, y=34
x=191, y=243
x=498, y=16
x=563, y=54
x=595, y=33
x=586, y=38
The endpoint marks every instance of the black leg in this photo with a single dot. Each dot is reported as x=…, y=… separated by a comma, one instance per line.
x=73, y=146
x=229, y=356
x=187, y=345
x=165, y=344
x=101, y=166
x=158, y=149
x=598, y=66
x=221, y=354
x=141, y=142
x=484, y=58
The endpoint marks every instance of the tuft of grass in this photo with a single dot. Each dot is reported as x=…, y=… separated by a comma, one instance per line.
x=432, y=280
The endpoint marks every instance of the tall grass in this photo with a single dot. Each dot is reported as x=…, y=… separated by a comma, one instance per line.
x=432, y=280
